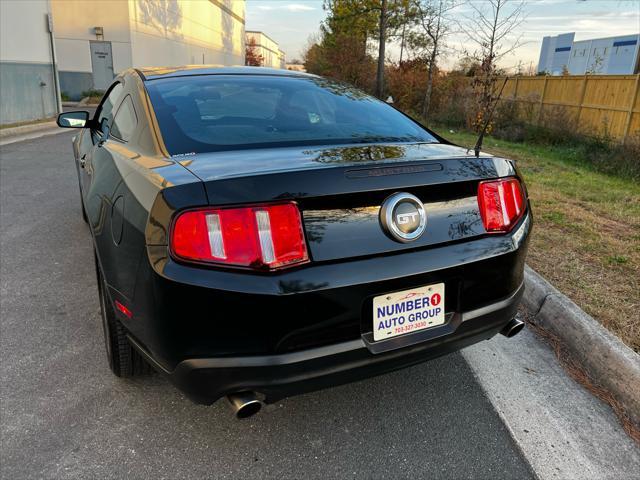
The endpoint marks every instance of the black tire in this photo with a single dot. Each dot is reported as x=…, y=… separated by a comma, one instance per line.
x=124, y=360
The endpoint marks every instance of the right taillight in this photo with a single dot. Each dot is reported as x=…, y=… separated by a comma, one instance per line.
x=260, y=237
x=501, y=204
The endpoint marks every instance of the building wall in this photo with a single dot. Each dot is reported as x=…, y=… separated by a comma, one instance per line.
x=607, y=56
x=272, y=56
x=27, y=84
x=555, y=53
x=74, y=23
x=187, y=32
x=610, y=56
x=145, y=33
x=545, y=56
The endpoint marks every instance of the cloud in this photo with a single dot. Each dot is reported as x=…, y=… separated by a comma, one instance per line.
x=291, y=7
x=298, y=7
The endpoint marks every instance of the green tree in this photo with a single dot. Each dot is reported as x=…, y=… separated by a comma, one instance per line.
x=340, y=49
x=379, y=20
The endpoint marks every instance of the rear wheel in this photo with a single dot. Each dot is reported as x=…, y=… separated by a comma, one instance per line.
x=124, y=360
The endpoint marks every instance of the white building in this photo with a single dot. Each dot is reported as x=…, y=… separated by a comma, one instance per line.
x=93, y=40
x=605, y=56
x=268, y=48
x=97, y=39
x=27, y=80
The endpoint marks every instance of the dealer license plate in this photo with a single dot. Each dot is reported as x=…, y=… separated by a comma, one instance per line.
x=408, y=311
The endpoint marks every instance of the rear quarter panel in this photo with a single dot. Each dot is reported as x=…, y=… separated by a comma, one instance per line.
x=126, y=179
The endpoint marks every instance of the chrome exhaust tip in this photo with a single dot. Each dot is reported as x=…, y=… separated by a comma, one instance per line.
x=512, y=328
x=244, y=404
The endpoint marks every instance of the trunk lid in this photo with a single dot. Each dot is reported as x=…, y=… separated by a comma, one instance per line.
x=340, y=190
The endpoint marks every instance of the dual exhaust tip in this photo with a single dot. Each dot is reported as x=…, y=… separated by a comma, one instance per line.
x=512, y=328
x=244, y=404
x=247, y=404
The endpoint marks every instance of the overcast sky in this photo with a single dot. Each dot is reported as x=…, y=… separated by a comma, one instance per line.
x=291, y=23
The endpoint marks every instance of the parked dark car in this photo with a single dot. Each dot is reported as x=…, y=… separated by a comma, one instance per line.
x=260, y=233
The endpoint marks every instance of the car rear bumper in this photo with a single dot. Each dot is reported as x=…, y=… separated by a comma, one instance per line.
x=204, y=380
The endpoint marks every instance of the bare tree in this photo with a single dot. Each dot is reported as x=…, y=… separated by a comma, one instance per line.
x=493, y=31
x=433, y=27
x=488, y=29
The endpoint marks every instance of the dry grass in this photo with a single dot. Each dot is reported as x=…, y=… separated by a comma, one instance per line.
x=586, y=239
x=581, y=376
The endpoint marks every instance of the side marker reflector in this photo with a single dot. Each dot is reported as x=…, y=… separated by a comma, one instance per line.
x=123, y=310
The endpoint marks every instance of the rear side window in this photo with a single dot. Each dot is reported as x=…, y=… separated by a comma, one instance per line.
x=230, y=112
x=106, y=109
x=125, y=121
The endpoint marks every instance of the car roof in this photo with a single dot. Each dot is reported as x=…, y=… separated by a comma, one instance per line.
x=154, y=73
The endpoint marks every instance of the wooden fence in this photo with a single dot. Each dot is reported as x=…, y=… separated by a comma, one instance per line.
x=594, y=104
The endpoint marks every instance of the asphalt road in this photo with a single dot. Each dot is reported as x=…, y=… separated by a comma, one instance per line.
x=63, y=415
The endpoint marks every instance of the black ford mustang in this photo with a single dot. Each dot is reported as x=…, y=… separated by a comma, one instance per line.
x=260, y=233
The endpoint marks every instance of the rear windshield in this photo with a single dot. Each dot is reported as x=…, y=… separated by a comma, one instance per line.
x=229, y=112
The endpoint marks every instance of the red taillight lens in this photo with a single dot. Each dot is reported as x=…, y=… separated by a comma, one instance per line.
x=123, y=310
x=265, y=236
x=501, y=204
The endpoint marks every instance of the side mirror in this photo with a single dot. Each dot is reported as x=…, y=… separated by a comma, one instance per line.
x=78, y=119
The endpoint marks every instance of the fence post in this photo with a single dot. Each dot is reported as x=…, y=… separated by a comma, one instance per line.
x=634, y=96
x=544, y=91
x=583, y=92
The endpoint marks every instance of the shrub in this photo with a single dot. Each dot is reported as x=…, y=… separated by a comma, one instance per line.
x=559, y=126
x=452, y=102
x=516, y=122
x=613, y=157
x=406, y=83
x=92, y=92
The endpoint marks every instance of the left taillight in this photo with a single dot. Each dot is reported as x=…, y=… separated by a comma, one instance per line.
x=501, y=204
x=259, y=237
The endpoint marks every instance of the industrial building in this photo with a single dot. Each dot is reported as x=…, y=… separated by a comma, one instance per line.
x=601, y=56
x=268, y=48
x=27, y=77
x=92, y=41
x=92, y=47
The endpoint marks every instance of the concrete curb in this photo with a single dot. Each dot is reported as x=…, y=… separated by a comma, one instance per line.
x=608, y=362
x=25, y=129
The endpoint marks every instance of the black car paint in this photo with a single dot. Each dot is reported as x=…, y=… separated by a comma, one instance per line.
x=186, y=317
